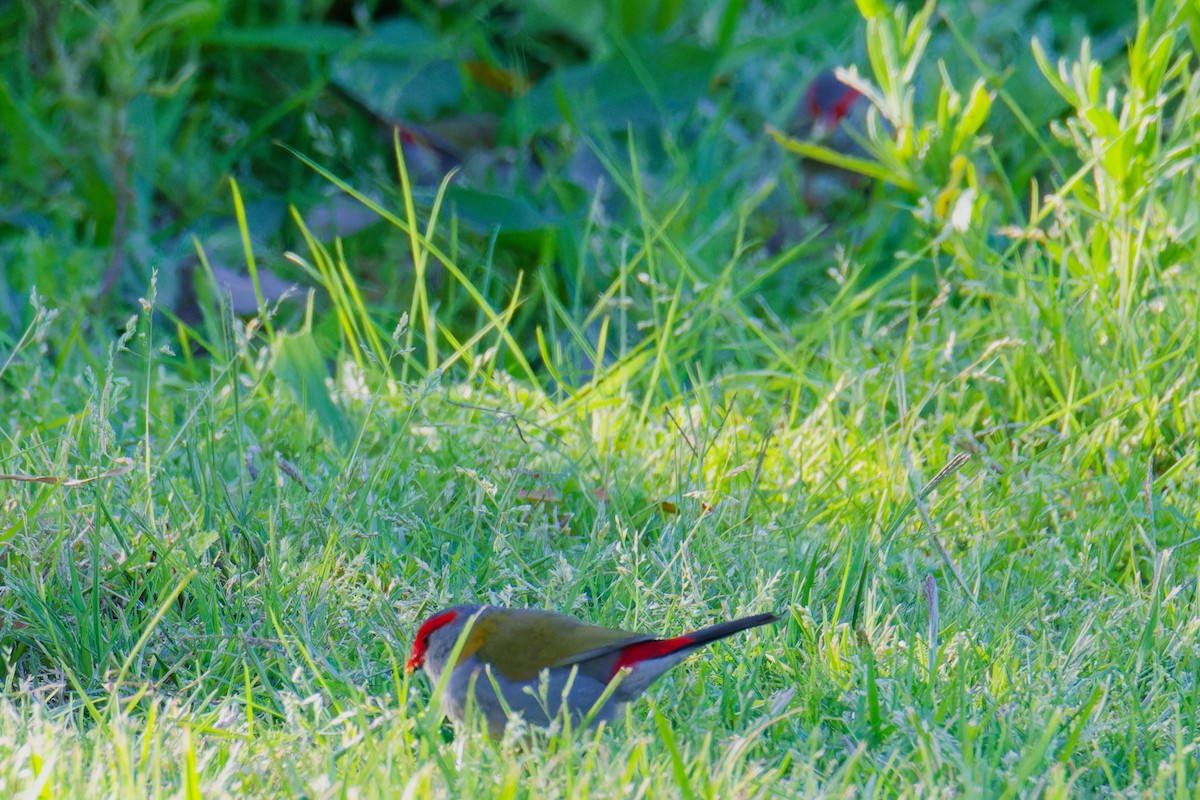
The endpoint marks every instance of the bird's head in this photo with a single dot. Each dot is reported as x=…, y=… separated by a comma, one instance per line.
x=436, y=638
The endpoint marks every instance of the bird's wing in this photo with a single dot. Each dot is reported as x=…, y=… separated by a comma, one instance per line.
x=520, y=643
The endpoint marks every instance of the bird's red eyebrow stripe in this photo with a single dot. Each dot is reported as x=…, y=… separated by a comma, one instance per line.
x=647, y=651
x=433, y=623
x=416, y=659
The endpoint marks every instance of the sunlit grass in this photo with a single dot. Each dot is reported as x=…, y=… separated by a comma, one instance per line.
x=966, y=483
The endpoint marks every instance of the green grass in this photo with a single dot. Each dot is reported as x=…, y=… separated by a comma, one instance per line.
x=217, y=537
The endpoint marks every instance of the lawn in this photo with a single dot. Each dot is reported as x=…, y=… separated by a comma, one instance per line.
x=588, y=319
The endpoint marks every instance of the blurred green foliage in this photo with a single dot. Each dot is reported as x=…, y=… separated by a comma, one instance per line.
x=124, y=120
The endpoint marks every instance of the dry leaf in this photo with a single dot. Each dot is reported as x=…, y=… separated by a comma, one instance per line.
x=125, y=466
x=543, y=495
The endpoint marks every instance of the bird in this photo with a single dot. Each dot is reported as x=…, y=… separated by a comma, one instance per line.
x=509, y=654
x=834, y=115
x=827, y=103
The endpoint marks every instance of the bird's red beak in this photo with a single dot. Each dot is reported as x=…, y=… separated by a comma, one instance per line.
x=416, y=659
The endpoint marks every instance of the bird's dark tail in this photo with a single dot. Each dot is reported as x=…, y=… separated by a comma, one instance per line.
x=722, y=629
x=683, y=645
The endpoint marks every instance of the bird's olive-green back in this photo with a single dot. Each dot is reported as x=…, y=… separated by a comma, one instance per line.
x=520, y=643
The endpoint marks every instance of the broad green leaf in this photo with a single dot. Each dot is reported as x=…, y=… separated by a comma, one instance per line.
x=294, y=38
x=399, y=73
x=300, y=367
x=488, y=211
x=641, y=81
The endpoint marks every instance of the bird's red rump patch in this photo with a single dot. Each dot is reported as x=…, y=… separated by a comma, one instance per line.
x=416, y=659
x=830, y=100
x=842, y=107
x=635, y=654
